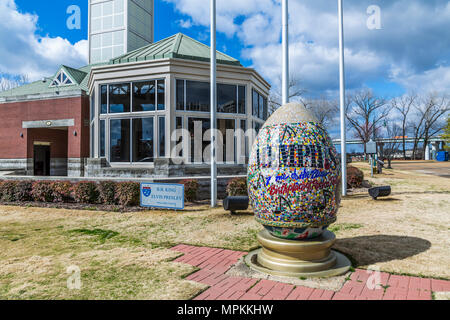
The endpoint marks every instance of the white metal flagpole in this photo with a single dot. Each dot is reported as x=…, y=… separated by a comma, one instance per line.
x=285, y=45
x=342, y=98
x=213, y=106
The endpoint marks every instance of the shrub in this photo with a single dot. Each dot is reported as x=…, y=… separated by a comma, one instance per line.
x=237, y=187
x=127, y=193
x=190, y=189
x=8, y=191
x=107, y=192
x=42, y=191
x=23, y=190
x=61, y=191
x=355, y=177
x=85, y=192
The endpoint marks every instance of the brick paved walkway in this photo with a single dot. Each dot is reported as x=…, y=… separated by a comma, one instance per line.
x=214, y=263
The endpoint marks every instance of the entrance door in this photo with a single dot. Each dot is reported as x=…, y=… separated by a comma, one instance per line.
x=41, y=160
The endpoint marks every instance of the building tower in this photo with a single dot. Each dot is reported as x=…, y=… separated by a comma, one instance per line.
x=119, y=26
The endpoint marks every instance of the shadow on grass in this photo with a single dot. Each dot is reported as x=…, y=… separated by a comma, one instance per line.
x=367, y=250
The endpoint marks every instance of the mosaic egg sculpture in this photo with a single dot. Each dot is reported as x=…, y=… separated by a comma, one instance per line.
x=294, y=175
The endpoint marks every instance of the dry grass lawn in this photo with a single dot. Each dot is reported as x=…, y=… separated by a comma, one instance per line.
x=126, y=256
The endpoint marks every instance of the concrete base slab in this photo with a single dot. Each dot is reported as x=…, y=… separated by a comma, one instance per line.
x=341, y=267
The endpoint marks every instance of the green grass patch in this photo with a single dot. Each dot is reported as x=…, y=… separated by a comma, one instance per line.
x=344, y=226
x=101, y=234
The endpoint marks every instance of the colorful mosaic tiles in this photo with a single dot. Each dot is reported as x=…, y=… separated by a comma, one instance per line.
x=294, y=179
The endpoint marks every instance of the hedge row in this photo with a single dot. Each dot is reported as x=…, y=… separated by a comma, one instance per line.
x=105, y=192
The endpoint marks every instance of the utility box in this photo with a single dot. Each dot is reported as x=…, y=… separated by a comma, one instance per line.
x=442, y=156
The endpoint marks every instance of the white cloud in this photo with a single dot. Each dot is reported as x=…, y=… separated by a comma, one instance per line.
x=23, y=51
x=412, y=46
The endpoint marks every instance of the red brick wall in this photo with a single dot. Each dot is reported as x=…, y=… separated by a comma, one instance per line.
x=12, y=146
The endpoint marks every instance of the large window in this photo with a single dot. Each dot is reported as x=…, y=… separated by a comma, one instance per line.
x=131, y=129
x=259, y=105
x=119, y=98
x=143, y=140
x=195, y=96
x=145, y=96
x=120, y=140
x=203, y=124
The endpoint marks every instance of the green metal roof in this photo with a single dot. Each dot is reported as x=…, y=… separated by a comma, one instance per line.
x=80, y=76
x=177, y=46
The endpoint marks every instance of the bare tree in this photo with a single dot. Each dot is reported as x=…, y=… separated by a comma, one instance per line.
x=430, y=114
x=8, y=84
x=366, y=114
x=325, y=110
x=388, y=150
x=403, y=105
x=295, y=94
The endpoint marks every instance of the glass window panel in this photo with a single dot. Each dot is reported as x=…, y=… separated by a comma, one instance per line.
x=64, y=77
x=257, y=127
x=162, y=136
x=96, y=41
x=117, y=51
x=107, y=39
x=102, y=137
x=255, y=101
x=118, y=20
x=180, y=94
x=104, y=99
x=206, y=125
x=161, y=95
x=118, y=6
x=265, y=109
x=226, y=98
x=92, y=140
x=106, y=53
x=143, y=142
x=244, y=128
x=144, y=96
x=179, y=126
x=107, y=8
x=118, y=38
x=223, y=126
x=119, y=98
x=96, y=55
x=96, y=10
x=261, y=107
x=242, y=100
x=107, y=22
x=197, y=96
x=96, y=25
x=120, y=140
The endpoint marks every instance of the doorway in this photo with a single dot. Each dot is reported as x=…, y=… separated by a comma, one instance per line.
x=41, y=160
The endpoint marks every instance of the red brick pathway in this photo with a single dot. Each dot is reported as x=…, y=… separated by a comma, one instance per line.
x=214, y=263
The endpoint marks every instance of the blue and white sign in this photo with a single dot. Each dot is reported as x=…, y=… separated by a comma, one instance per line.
x=162, y=195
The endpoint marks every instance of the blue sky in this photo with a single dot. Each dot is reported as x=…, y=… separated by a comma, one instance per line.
x=409, y=52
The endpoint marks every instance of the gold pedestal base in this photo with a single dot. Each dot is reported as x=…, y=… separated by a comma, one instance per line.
x=303, y=258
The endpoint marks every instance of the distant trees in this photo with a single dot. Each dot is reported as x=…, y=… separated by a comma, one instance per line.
x=366, y=114
x=403, y=106
x=428, y=120
x=446, y=134
x=8, y=84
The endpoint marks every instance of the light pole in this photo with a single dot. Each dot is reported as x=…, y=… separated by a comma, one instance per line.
x=213, y=106
x=342, y=98
x=285, y=45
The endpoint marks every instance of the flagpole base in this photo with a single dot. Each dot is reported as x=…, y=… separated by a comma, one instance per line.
x=298, y=258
